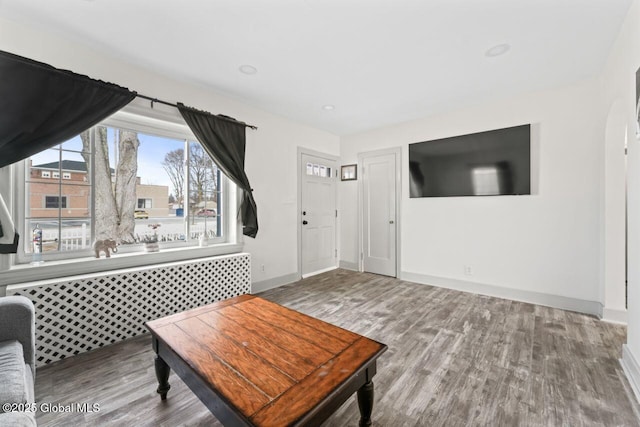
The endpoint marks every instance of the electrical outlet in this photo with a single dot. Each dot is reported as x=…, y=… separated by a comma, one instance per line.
x=467, y=270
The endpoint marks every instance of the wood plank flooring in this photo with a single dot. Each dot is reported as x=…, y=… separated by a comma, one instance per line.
x=454, y=359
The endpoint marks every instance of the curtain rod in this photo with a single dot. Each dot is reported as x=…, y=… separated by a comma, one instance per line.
x=159, y=101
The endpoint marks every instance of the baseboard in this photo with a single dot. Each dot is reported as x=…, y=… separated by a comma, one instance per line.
x=348, y=265
x=614, y=315
x=573, y=304
x=324, y=270
x=274, y=282
x=631, y=369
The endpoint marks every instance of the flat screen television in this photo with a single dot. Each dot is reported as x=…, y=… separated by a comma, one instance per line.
x=492, y=163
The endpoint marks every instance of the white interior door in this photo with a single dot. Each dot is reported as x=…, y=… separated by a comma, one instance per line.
x=379, y=213
x=318, y=214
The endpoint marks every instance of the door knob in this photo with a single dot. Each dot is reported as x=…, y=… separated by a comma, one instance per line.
x=391, y=222
x=304, y=223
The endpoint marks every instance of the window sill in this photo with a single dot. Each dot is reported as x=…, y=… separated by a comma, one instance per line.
x=24, y=273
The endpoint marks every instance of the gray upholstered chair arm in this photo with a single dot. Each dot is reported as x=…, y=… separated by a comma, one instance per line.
x=17, y=322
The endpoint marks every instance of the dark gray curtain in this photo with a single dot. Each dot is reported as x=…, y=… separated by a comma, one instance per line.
x=224, y=140
x=10, y=248
x=41, y=106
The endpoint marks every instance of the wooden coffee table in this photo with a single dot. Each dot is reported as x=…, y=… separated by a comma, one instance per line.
x=255, y=363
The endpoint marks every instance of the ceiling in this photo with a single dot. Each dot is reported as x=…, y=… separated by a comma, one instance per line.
x=378, y=62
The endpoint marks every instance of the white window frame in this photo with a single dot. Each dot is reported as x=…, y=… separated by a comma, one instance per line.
x=66, y=175
x=55, y=175
x=154, y=121
x=45, y=174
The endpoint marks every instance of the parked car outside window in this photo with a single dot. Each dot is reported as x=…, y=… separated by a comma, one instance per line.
x=206, y=212
x=140, y=214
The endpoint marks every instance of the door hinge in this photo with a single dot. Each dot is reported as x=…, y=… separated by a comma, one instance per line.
x=361, y=255
x=336, y=213
x=336, y=253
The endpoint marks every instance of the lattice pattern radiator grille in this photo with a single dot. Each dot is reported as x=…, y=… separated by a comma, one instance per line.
x=75, y=315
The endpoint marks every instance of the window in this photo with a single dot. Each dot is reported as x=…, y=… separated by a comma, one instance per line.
x=60, y=209
x=121, y=183
x=318, y=170
x=145, y=203
x=55, y=202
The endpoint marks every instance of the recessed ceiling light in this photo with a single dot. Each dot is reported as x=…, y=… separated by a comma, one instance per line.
x=248, y=69
x=328, y=107
x=498, y=50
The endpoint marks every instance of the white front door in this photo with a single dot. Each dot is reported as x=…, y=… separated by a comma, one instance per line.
x=379, y=183
x=318, y=214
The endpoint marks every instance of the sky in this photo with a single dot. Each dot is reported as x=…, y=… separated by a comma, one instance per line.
x=151, y=154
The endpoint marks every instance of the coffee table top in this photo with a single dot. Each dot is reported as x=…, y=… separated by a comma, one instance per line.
x=271, y=363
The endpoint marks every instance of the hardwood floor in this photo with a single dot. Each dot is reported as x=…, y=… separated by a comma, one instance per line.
x=454, y=359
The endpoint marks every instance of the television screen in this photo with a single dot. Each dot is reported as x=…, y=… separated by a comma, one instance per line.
x=492, y=163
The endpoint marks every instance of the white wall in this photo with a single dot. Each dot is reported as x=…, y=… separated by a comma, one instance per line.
x=618, y=81
x=271, y=150
x=547, y=243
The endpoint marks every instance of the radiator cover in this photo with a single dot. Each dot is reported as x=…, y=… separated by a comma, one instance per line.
x=81, y=313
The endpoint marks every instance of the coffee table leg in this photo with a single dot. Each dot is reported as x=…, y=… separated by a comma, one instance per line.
x=162, y=374
x=365, y=403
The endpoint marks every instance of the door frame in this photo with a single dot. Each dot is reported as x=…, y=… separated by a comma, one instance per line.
x=310, y=152
x=397, y=151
